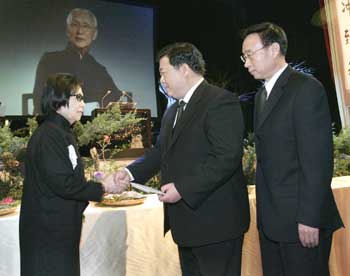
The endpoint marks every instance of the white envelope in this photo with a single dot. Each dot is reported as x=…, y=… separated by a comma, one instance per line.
x=146, y=189
x=73, y=157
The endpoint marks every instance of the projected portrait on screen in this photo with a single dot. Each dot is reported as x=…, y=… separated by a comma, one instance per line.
x=81, y=30
x=109, y=45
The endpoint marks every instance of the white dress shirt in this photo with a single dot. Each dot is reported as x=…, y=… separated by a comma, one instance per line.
x=271, y=83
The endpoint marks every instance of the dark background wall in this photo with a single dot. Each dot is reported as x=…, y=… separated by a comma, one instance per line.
x=213, y=26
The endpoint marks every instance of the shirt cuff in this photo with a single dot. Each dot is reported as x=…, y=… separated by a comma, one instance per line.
x=130, y=174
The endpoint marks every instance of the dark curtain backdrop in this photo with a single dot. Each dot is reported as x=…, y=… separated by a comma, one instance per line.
x=213, y=26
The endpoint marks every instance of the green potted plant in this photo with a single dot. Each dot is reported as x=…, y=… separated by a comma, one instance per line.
x=342, y=153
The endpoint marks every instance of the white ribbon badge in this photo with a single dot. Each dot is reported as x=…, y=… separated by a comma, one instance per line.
x=72, y=156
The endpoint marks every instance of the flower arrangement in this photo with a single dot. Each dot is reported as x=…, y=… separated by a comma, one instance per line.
x=12, y=148
x=249, y=159
x=8, y=205
x=8, y=202
x=106, y=135
x=109, y=132
x=342, y=153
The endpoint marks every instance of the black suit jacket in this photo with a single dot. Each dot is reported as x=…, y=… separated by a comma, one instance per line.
x=96, y=79
x=202, y=156
x=294, y=147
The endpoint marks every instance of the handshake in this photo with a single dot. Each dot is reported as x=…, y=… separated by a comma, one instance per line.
x=116, y=183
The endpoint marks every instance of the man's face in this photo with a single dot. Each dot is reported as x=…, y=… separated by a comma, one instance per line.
x=259, y=59
x=81, y=31
x=172, y=79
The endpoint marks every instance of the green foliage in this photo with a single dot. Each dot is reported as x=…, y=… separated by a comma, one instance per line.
x=107, y=128
x=32, y=124
x=342, y=153
x=9, y=142
x=249, y=159
x=11, y=180
x=154, y=182
x=106, y=123
x=15, y=142
x=93, y=166
x=5, y=137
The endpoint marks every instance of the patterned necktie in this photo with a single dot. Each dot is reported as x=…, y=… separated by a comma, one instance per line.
x=180, y=108
x=262, y=100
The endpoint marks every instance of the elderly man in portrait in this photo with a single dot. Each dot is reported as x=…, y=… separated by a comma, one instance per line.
x=75, y=59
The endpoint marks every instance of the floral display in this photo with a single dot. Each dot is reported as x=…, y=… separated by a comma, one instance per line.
x=109, y=132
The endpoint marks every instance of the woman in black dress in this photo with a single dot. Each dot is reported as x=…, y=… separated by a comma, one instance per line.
x=55, y=191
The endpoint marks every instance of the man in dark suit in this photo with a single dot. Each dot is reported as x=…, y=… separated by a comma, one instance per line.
x=199, y=155
x=296, y=210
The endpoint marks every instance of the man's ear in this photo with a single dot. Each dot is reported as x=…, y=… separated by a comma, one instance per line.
x=276, y=49
x=185, y=69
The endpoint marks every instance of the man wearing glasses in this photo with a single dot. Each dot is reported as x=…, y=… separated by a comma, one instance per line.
x=76, y=60
x=296, y=210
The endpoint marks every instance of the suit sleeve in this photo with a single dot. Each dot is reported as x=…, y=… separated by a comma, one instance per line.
x=146, y=166
x=58, y=174
x=315, y=151
x=224, y=129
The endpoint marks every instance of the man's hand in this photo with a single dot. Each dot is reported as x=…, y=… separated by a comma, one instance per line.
x=122, y=178
x=108, y=183
x=308, y=236
x=116, y=183
x=171, y=194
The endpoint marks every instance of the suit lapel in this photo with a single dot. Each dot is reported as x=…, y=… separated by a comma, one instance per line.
x=275, y=95
x=168, y=124
x=256, y=101
x=188, y=114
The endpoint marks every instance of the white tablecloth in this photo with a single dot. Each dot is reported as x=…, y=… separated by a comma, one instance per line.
x=115, y=241
x=129, y=241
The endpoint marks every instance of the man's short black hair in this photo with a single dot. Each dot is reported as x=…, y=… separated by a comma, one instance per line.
x=57, y=91
x=269, y=33
x=184, y=53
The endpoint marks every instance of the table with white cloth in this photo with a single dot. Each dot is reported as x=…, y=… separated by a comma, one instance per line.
x=129, y=240
x=340, y=252
x=116, y=241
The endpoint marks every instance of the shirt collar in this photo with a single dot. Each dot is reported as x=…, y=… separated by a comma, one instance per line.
x=74, y=51
x=270, y=84
x=190, y=92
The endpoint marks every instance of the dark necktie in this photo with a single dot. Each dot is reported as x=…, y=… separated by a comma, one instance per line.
x=262, y=100
x=180, y=109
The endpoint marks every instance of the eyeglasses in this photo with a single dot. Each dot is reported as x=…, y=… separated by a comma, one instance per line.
x=79, y=97
x=245, y=56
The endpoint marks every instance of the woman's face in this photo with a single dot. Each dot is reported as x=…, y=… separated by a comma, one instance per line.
x=75, y=109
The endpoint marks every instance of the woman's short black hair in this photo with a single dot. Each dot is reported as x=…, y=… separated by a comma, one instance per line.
x=57, y=91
